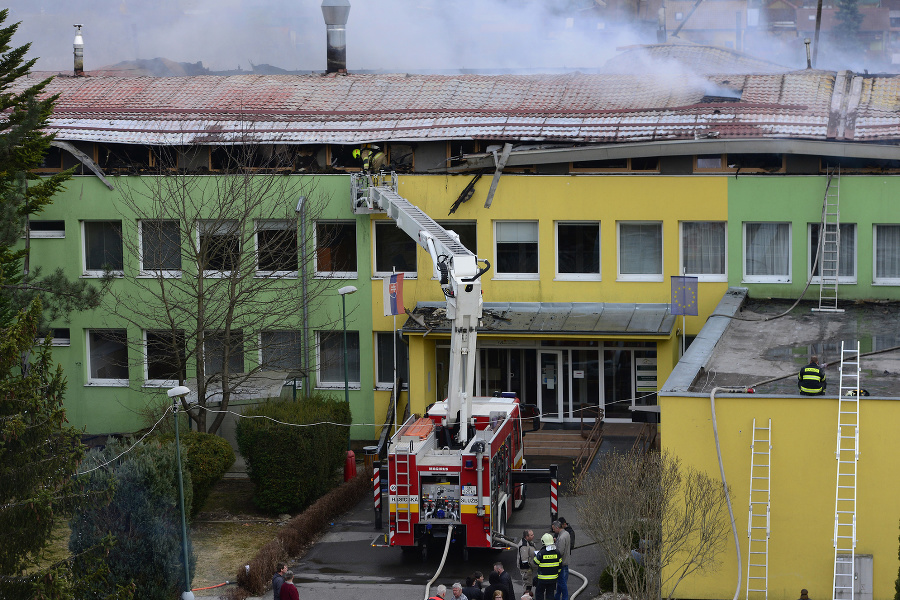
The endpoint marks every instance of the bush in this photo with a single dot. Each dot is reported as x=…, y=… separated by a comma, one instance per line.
x=143, y=520
x=208, y=458
x=606, y=580
x=292, y=466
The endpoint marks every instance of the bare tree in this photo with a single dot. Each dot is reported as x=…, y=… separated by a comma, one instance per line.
x=219, y=292
x=656, y=521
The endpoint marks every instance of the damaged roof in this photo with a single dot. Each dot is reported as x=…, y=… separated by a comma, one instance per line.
x=574, y=107
x=570, y=318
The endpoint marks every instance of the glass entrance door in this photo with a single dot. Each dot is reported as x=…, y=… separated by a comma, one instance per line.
x=550, y=389
x=618, y=383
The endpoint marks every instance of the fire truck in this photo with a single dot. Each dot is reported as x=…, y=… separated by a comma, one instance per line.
x=460, y=469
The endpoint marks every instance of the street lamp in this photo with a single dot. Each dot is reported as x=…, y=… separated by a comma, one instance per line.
x=175, y=393
x=350, y=463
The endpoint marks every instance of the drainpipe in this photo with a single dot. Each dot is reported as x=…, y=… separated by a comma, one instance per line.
x=737, y=543
x=301, y=212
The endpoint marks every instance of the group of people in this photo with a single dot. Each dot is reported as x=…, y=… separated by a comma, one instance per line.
x=545, y=570
x=283, y=587
x=500, y=587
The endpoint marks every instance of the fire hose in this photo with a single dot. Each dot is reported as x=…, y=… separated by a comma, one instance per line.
x=443, y=560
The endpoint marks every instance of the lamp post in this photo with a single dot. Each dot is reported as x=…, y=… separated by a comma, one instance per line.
x=350, y=464
x=175, y=393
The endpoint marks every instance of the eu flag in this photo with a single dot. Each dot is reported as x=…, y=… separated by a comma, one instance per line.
x=684, y=295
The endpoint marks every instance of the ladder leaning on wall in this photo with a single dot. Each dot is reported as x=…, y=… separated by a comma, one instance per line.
x=758, y=519
x=830, y=244
x=847, y=455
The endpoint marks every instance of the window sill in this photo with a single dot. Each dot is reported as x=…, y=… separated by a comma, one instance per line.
x=708, y=278
x=387, y=387
x=516, y=277
x=886, y=282
x=159, y=275
x=337, y=275
x=406, y=275
x=641, y=278
x=48, y=235
x=841, y=281
x=158, y=383
x=219, y=274
x=276, y=275
x=578, y=278
x=354, y=386
x=102, y=274
x=107, y=383
x=766, y=280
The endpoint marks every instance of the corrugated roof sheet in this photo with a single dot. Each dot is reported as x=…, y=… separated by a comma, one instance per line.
x=575, y=107
x=570, y=318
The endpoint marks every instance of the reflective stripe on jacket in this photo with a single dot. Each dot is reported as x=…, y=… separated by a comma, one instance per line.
x=548, y=563
x=811, y=379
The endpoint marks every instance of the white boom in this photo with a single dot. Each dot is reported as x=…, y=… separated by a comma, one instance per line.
x=455, y=266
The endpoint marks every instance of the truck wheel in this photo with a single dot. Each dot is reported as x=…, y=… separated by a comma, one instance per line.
x=519, y=497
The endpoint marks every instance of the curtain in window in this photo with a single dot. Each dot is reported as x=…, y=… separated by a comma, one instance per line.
x=847, y=258
x=704, y=248
x=331, y=356
x=887, y=252
x=768, y=249
x=640, y=251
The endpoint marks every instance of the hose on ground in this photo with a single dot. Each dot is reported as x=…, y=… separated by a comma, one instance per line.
x=443, y=560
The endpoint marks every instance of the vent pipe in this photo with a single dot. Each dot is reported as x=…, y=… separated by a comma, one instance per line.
x=79, y=51
x=336, y=13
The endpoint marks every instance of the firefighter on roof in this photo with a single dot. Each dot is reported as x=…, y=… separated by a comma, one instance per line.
x=373, y=159
x=811, y=379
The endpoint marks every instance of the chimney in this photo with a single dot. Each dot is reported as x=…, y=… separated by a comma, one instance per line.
x=79, y=52
x=336, y=13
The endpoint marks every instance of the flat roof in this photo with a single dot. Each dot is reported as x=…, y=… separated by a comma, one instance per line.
x=749, y=350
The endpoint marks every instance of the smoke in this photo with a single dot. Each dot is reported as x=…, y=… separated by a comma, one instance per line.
x=384, y=35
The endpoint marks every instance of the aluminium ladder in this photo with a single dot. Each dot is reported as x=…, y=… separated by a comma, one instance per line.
x=758, y=520
x=830, y=242
x=402, y=481
x=847, y=456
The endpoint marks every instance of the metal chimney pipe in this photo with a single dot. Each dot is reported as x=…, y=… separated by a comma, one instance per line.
x=79, y=51
x=336, y=13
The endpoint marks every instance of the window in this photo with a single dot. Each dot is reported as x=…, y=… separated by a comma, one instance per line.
x=102, y=247
x=60, y=337
x=887, y=254
x=46, y=229
x=331, y=358
x=280, y=350
x=276, y=248
x=107, y=357
x=578, y=250
x=218, y=347
x=467, y=232
x=394, y=250
x=703, y=249
x=336, y=248
x=160, y=247
x=220, y=247
x=640, y=251
x=846, y=256
x=166, y=363
x=707, y=162
x=517, y=249
x=385, y=355
x=767, y=252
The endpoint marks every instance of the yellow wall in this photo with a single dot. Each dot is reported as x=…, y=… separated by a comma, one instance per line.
x=804, y=430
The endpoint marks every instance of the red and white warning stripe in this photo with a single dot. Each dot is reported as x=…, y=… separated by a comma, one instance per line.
x=376, y=488
x=554, y=507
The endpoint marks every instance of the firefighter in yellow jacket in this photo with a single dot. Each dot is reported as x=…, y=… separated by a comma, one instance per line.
x=547, y=561
x=811, y=379
x=373, y=159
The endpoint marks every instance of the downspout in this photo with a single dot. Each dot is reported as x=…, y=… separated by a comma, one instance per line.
x=301, y=211
x=737, y=544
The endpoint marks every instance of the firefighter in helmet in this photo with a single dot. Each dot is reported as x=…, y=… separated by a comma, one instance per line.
x=373, y=159
x=811, y=379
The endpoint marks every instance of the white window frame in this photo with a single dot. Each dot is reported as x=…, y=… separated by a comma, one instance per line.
x=386, y=385
x=165, y=273
x=96, y=381
x=146, y=357
x=271, y=225
x=214, y=274
x=414, y=274
x=336, y=274
x=767, y=278
x=598, y=276
x=259, y=355
x=84, y=255
x=336, y=385
x=702, y=276
x=640, y=276
x=845, y=279
x=517, y=276
x=47, y=234
x=875, y=279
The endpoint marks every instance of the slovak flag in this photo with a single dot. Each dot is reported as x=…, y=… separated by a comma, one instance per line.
x=393, y=294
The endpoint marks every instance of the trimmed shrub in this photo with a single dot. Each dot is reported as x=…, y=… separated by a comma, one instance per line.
x=293, y=461
x=208, y=458
x=142, y=521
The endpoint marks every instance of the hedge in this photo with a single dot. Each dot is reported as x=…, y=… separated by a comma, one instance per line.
x=290, y=465
x=208, y=458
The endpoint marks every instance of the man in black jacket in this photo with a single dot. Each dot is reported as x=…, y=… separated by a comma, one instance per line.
x=278, y=580
x=811, y=379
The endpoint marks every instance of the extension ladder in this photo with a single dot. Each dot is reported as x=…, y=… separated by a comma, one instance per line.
x=847, y=456
x=830, y=242
x=758, y=520
x=402, y=481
